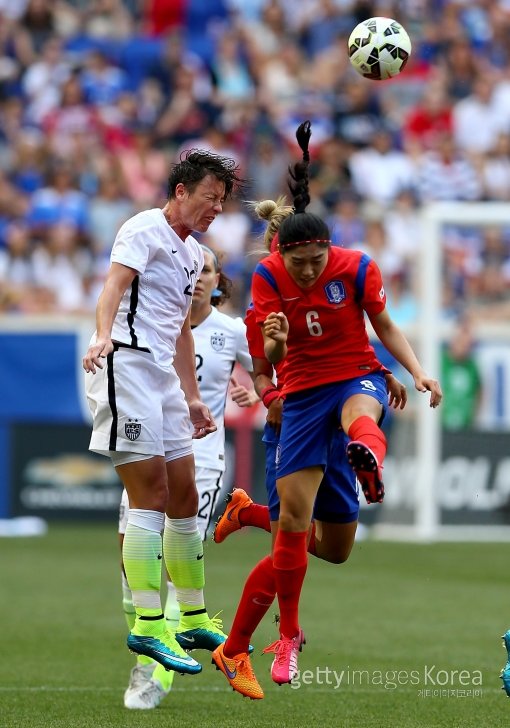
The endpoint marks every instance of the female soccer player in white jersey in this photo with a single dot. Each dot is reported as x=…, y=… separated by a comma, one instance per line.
x=220, y=342
x=143, y=392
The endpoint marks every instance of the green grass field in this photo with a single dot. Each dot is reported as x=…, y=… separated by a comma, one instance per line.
x=390, y=624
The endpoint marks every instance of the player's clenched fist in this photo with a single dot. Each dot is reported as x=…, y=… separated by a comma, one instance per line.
x=276, y=327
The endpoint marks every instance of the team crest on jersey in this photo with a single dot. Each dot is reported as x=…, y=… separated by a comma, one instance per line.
x=335, y=291
x=133, y=429
x=218, y=341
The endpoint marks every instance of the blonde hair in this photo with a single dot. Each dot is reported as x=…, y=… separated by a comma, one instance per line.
x=274, y=212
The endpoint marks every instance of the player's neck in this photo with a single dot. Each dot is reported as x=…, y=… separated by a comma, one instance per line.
x=199, y=314
x=175, y=223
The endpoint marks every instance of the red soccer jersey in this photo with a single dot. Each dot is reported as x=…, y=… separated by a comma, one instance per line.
x=327, y=341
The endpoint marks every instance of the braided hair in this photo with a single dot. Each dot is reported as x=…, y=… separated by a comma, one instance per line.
x=302, y=227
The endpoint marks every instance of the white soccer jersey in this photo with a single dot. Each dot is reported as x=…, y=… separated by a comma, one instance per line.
x=154, y=307
x=220, y=341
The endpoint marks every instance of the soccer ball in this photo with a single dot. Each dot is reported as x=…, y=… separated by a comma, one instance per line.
x=379, y=48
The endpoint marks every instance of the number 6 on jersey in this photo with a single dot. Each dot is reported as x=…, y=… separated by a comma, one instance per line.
x=312, y=321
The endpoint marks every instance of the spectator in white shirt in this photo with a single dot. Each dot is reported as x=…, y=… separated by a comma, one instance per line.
x=477, y=122
x=380, y=171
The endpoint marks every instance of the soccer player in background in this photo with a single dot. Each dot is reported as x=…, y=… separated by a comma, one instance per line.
x=220, y=342
x=310, y=299
x=142, y=389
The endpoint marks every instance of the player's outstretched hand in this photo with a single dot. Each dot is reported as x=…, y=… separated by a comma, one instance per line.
x=276, y=326
x=96, y=353
x=427, y=384
x=397, y=393
x=201, y=419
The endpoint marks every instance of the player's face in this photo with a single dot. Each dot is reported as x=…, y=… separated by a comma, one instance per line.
x=199, y=208
x=305, y=263
x=207, y=282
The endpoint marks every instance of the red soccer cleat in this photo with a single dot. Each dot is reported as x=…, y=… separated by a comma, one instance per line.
x=365, y=465
x=284, y=667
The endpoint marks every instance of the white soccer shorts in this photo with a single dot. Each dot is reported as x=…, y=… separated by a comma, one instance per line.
x=209, y=483
x=137, y=406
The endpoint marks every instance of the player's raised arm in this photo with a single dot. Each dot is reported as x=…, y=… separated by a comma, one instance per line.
x=275, y=330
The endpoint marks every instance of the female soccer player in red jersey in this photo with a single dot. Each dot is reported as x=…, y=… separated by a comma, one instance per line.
x=335, y=510
x=310, y=299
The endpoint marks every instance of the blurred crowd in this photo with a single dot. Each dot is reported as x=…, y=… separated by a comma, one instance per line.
x=99, y=97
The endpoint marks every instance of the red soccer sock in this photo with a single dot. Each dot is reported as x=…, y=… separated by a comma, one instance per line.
x=290, y=560
x=255, y=515
x=365, y=430
x=258, y=595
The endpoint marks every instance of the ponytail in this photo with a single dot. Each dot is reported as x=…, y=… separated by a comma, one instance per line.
x=302, y=228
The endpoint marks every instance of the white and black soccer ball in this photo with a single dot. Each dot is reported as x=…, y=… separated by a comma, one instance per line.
x=379, y=48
